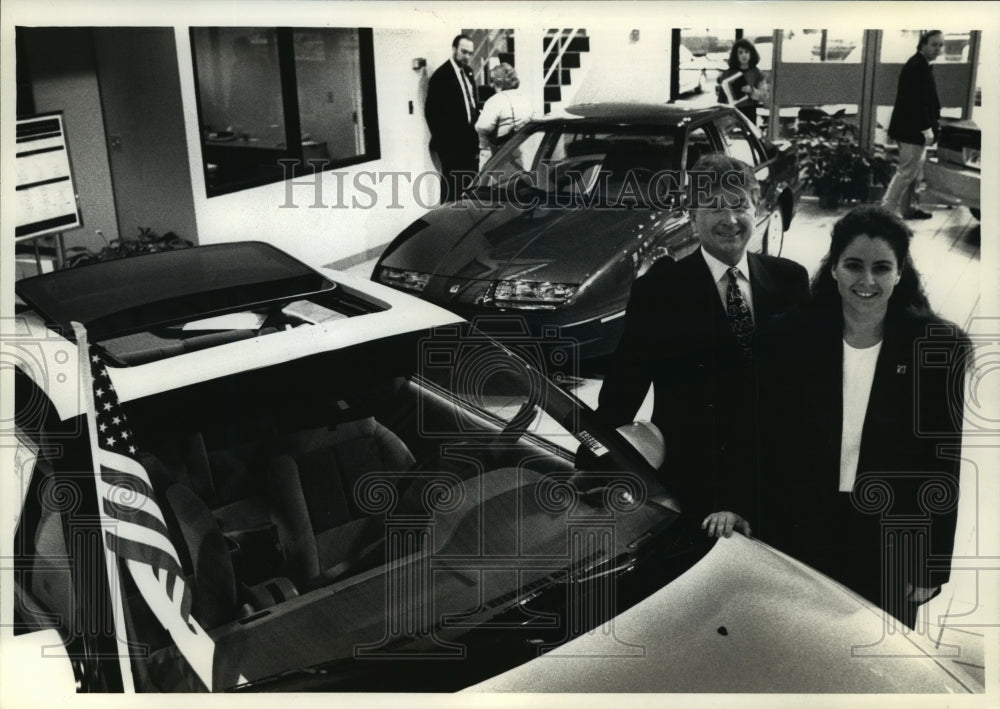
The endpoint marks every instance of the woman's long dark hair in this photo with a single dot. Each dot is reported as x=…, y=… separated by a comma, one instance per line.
x=876, y=222
x=734, y=60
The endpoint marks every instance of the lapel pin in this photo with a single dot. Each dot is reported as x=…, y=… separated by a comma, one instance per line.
x=900, y=369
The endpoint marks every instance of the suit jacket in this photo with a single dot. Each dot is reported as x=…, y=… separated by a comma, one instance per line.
x=678, y=338
x=451, y=130
x=917, y=107
x=908, y=467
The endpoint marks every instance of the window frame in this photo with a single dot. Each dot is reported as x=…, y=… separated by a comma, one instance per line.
x=290, y=163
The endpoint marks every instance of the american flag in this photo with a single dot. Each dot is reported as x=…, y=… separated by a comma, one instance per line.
x=133, y=523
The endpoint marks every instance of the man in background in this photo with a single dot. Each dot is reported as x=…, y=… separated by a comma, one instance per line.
x=914, y=124
x=451, y=114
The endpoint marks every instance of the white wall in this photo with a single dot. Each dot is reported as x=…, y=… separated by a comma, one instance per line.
x=285, y=213
x=618, y=68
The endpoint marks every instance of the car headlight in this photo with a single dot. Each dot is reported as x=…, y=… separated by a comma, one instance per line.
x=532, y=295
x=406, y=280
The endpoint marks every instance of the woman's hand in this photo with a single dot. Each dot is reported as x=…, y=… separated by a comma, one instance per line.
x=722, y=524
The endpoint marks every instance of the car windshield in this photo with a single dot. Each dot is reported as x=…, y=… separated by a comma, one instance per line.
x=613, y=163
x=382, y=500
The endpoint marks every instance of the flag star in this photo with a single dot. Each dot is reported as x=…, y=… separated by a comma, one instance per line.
x=107, y=406
x=131, y=449
x=103, y=372
x=95, y=359
x=111, y=440
x=99, y=392
x=125, y=434
x=103, y=427
x=110, y=385
x=116, y=420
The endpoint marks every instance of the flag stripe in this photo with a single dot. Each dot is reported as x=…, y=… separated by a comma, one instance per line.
x=120, y=512
x=133, y=482
x=135, y=529
x=124, y=464
x=151, y=554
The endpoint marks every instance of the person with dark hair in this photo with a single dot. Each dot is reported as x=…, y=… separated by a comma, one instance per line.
x=504, y=113
x=451, y=111
x=691, y=330
x=866, y=400
x=914, y=124
x=743, y=84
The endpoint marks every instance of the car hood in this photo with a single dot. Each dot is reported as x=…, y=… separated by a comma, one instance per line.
x=746, y=618
x=563, y=245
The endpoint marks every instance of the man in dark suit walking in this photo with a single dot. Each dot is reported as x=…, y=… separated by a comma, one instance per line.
x=691, y=329
x=914, y=124
x=451, y=114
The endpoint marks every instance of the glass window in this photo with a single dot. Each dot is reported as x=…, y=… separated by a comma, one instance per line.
x=844, y=46
x=702, y=57
x=271, y=100
x=898, y=45
x=737, y=142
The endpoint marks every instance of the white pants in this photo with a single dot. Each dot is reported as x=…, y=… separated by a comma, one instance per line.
x=899, y=195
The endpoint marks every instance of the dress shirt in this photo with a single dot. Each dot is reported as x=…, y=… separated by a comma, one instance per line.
x=720, y=272
x=466, y=85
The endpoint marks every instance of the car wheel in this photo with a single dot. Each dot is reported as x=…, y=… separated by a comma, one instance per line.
x=976, y=213
x=774, y=238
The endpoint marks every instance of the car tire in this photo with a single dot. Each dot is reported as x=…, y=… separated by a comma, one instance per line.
x=976, y=213
x=774, y=237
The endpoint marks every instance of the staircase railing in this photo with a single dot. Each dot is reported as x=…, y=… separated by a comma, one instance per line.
x=485, y=42
x=560, y=43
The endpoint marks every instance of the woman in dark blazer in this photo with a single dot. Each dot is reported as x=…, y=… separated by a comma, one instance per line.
x=867, y=407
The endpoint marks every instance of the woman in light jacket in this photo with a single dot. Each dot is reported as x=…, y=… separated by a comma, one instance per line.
x=504, y=113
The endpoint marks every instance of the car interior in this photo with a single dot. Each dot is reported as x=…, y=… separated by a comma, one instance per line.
x=293, y=493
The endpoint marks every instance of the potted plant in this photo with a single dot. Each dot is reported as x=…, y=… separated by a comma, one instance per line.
x=147, y=242
x=834, y=165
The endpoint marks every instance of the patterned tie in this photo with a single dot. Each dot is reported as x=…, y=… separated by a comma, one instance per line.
x=740, y=318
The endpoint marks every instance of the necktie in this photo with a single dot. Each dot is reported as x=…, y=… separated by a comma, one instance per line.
x=470, y=105
x=740, y=318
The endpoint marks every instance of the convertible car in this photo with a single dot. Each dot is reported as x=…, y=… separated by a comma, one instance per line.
x=562, y=219
x=258, y=476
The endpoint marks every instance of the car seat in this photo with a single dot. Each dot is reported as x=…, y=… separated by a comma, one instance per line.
x=314, y=495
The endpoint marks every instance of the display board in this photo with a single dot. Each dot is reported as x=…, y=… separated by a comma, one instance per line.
x=45, y=201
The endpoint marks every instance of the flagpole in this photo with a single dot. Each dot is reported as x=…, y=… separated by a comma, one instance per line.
x=114, y=583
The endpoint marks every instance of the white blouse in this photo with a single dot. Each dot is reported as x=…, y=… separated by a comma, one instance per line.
x=859, y=373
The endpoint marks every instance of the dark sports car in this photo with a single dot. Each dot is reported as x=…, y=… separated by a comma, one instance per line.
x=560, y=221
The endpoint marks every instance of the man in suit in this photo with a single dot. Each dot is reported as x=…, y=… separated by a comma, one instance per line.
x=451, y=114
x=914, y=124
x=691, y=329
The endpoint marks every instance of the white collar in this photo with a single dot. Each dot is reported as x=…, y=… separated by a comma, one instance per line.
x=720, y=269
x=457, y=68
